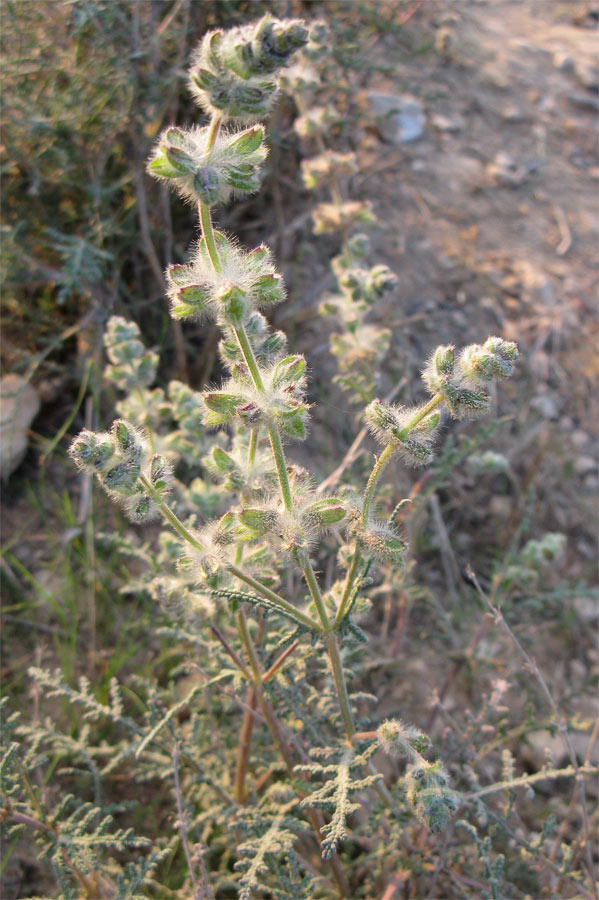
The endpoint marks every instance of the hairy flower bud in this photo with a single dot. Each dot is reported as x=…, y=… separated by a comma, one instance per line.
x=122, y=478
x=127, y=439
x=384, y=543
x=243, y=281
x=206, y=170
x=221, y=406
x=429, y=795
x=92, y=452
x=397, y=739
x=288, y=370
x=395, y=425
x=258, y=522
x=233, y=71
x=323, y=513
x=439, y=369
x=495, y=359
x=459, y=381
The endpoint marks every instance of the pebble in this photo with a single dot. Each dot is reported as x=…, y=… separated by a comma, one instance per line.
x=400, y=117
x=588, y=75
x=584, y=101
x=580, y=438
x=563, y=61
x=513, y=113
x=447, y=123
x=19, y=405
x=508, y=171
x=585, y=465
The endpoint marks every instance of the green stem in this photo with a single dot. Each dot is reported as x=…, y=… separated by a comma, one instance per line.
x=349, y=583
x=291, y=610
x=205, y=217
x=253, y=446
x=250, y=359
x=208, y=233
x=215, y=124
x=273, y=432
x=436, y=401
x=279, y=457
x=333, y=650
x=376, y=473
x=170, y=516
x=280, y=462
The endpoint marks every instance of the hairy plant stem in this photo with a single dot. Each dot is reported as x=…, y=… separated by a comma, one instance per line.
x=281, y=466
x=247, y=725
x=208, y=233
x=261, y=589
x=376, y=473
x=333, y=651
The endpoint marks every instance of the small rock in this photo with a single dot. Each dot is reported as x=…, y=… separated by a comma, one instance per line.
x=563, y=61
x=506, y=170
x=580, y=438
x=447, y=123
x=19, y=405
x=400, y=117
x=513, y=113
x=588, y=75
x=584, y=101
x=585, y=465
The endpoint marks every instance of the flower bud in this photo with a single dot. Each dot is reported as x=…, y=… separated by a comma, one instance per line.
x=91, y=452
x=397, y=739
x=258, y=521
x=122, y=478
x=140, y=508
x=384, y=543
x=126, y=438
x=380, y=417
x=429, y=795
x=222, y=407
x=206, y=184
x=439, y=369
x=288, y=370
x=323, y=513
x=250, y=413
x=233, y=300
x=160, y=476
x=269, y=288
x=464, y=403
x=222, y=461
